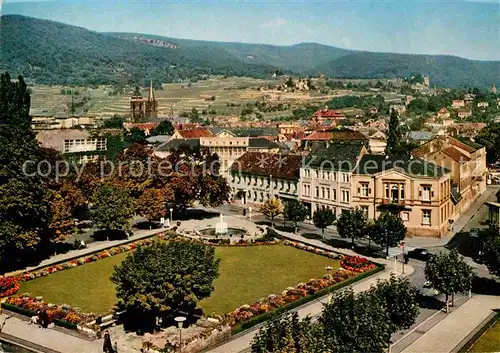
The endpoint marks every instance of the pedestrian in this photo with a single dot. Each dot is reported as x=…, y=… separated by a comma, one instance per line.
x=107, y=346
x=44, y=319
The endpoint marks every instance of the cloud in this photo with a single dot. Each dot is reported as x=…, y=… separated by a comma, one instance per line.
x=276, y=22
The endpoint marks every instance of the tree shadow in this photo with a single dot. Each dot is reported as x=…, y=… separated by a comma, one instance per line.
x=431, y=303
x=147, y=225
x=465, y=244
x=114, y=234
x=193, y=213
x=373, y=250
x=485, y=286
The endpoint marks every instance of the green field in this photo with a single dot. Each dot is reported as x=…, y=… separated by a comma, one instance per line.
x=490, y=341
x=246, y=275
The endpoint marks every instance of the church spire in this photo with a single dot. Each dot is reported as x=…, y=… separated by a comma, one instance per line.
x=151, y=92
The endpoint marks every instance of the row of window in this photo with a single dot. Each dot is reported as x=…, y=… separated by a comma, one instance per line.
x=326, y=193
x=396, y=192
x=75, y=145
x=264, y=182
x=326, y=175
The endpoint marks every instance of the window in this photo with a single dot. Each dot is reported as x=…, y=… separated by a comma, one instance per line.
x=405, y=216
x=386, y=191
x=328, y=175
x=334, y=176
x=324, y=176
x=328, y=193
x=345, y=178
x=316, y=174
x=365, y=211
x=364, y=189
x=426, y=217
x=345, y=196
x=394, y=193
x=317, y=191
x=426, y=193
x=323, y=193
x=334, y=194
x=402, y=191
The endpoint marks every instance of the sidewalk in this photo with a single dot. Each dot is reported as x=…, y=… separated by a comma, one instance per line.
x=315, y=307
x=449, y=332
x=91, y=248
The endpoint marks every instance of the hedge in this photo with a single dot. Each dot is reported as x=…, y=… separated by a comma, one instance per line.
x=29, y=313
x=322, y=292
x=476, y=336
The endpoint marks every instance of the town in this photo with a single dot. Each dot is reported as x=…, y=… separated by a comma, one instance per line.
x=260, y=210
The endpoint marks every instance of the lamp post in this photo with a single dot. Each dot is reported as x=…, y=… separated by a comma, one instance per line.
x=171, y=210
x=180, y=320
x=402, y=244
x=250, y=213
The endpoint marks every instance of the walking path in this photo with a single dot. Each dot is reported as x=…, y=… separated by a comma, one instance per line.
x=91, y=248
x=450, y=332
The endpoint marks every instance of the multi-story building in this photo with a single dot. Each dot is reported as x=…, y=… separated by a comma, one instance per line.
x=255, y=177
x=420, y=189
x=326, y=176
x=466, y=161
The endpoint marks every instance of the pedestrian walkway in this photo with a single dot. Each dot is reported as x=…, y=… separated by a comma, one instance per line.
x=450, y=332
x=91, y=248
x=242, y=342
x=49, y=338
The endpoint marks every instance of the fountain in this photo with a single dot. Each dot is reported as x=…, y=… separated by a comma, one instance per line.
x=221, y=226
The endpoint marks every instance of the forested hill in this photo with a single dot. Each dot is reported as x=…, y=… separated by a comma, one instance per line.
x=51, y=52
x=55, y=53
x=444, y=70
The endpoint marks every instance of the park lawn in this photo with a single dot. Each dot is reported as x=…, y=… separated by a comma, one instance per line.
x=247, y=274
x=490, y=341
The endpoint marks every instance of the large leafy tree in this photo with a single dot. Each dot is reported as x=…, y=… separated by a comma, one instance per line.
x=394, y=135
x=352, y=224
x=449, y=274
x=112, y=208
x=61, y=221
x=135, y=135
x=162, y=279
x=272, y=208
x=400, y=298
x=288, y=334
x=24, y=210
x=165, y=127
x=388, y=230
x=490, y=138
x=323, y=218
x=491, y=255
x=152, y=204
x=356, y=323
x=295, y=212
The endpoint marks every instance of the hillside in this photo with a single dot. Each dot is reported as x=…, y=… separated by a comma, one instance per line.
x=55, y=53
x=297, y=58
x=51, y=52
x=444, y=70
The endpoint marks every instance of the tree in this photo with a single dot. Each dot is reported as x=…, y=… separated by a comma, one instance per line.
x=24, y=208
x=165, y=127
x=272, y=208
x=152, y=204
x=356, y=323
x=394, y=135
x=164, y=279
x=112, y=208
x=352, y=224
x=296, y=212
x=400, y=298
x=323, y=218
x=490, y=138
x=115, y=122
x=491, y=255
x=194, y=116
x=449, y=274
x=61, y=221
x=388, y=230
x=136, y=135
x=288, y=334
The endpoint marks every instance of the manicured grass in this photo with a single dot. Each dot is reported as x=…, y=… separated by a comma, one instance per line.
x=246, y=275
x=490, y=341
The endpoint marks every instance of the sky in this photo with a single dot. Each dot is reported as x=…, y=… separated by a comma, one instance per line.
x=469, y=29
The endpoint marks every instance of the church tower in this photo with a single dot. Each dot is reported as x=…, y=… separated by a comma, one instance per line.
x=151, y=105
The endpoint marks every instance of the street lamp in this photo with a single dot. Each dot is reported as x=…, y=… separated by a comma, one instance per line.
x=402, y=244
x=171, y=210
x=250, y=213
x=180, y=320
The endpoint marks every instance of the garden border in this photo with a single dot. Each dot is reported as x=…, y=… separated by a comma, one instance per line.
x=468, y=342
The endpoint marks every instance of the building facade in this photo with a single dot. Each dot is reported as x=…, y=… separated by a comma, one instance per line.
x=142, y=108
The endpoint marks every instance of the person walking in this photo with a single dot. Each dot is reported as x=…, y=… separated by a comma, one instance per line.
x=107, y=346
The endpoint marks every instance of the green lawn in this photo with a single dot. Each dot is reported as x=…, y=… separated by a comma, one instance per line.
x=246, y=275
x=490, y=341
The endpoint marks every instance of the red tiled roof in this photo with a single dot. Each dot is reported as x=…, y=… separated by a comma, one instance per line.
x=142, y=126
x=282, y=166
x=455, y=154
x=461, y=145
x=194, y=134
x=319, y=136
x=322, y=113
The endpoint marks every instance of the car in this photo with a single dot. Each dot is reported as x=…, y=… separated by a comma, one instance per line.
x=419, y=254
x=428, y=291
x=474, y=232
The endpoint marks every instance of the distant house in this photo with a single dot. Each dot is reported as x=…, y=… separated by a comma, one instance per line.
x=333, y=135
x=377, y=142
x=191, y=134
x=443, y=113
x=458, y=103
x=399, y=108
x=146, y=127
x=483, y=104
x=419, y=137
x=464, y=113
x=327, y=114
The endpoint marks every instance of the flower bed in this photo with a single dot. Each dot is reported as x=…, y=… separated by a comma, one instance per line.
x=241, y=242
x=8, y=286
x=61, y=315
x=357, y=264
x=330, y=254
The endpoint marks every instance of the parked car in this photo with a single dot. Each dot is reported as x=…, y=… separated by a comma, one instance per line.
x=428, y=291
x=419, y=254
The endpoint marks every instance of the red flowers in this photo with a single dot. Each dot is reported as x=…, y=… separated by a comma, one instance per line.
x=356, y=264
x=8, y=286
